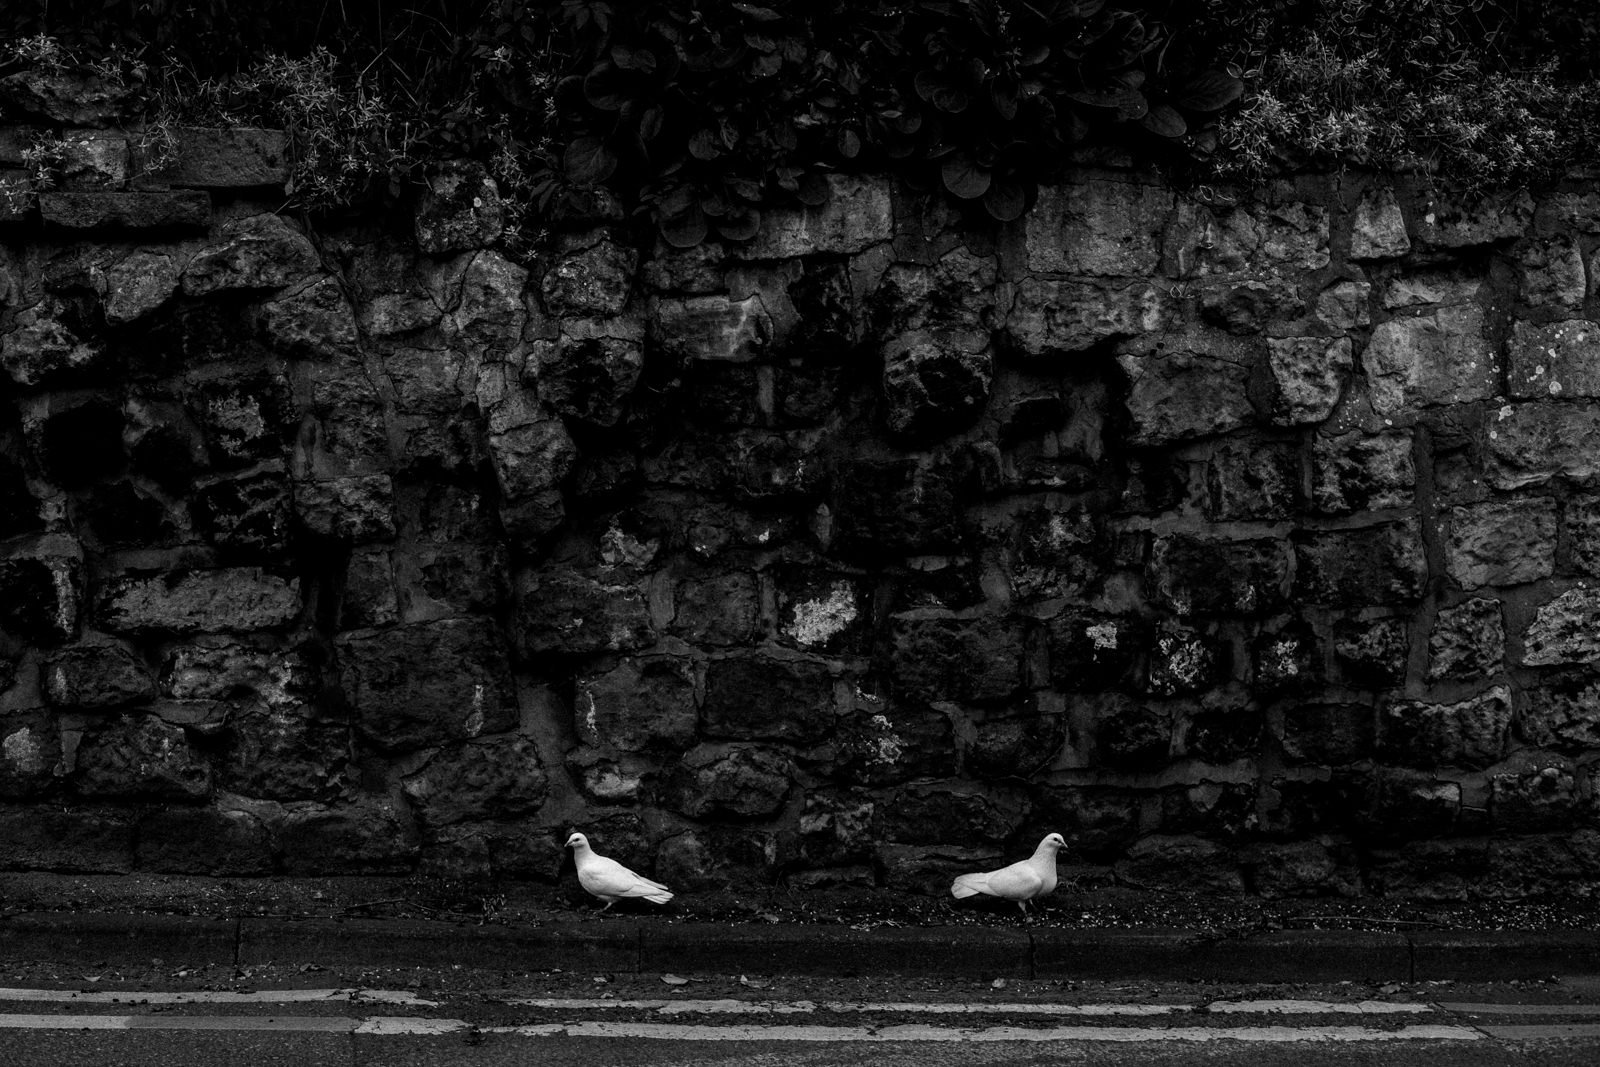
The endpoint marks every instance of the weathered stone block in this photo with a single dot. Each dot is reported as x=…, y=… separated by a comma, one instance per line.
x=939, y=658
x=258, y=252
x=314, y=322
x=1246, y=479
x=281, y=749
x=591, y=369
x=1132, y=736
x=894, y=506
x=141, y=756
x=1566, y=629
x=1309, y=374
x=1534, y=792
x=138, y=284
x=880, y=745
x=1362, y=472
x=1470, y=733
x=30, y=756
x=206, y=841
x=712, y=328
x=125, y=210
x=640, y=705
x=250, y=512
x=1582, y=519
x=1092, y=652
x=1287, y=657
x=1562, y=713
x=1441, y=357
x=1531, y=443
x=591, y=281
x=1013, y=748
x=1430, y=287
x=355, y=510
x=717, y=609
x=366, y=836
x=1197, y=575
x=563, y=611
x=1551, y=273
x=1459, y=225
x=1248, y=305
x=1372, y=653
x=1344, y=305
x=96, y=676
x=478, y=780
x=1389, y=804
x=1378, y=229
x=1218, y=735
x=67, y=97
x=226, y=599
x=44, y=348
x=1370, y=566
x=1183, y=863
x=836, y=828
x=1097, y=227
x=760, y=697
x=87, y=840
x=1328, y=733
x=1053, y=316
x=936, y=382
x=859, y=213
x=443, y=581
x=426, y=683
x=247, y=417
x=936, y=814
x=732, y=781
x=41, y=593
x=1501, y=542
x=1560, y=359
x=459, y=209
x=235, y=157
x=822, y=612
x=1468, y=641
x=1184, y=661
x=1175, y=394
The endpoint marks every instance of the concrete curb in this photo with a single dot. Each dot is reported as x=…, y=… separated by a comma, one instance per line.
x=631, y=946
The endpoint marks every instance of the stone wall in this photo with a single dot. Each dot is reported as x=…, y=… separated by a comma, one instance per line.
x=1250, y=542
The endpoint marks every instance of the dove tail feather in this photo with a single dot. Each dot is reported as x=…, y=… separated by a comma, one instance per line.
x=969, y=885
x=659, y=898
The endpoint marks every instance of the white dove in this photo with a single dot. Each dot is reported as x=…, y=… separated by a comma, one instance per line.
x=1023, y=881
x=609, y=880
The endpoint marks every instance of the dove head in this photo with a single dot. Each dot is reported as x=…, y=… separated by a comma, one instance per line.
x=1053, y=842
x=577, y=840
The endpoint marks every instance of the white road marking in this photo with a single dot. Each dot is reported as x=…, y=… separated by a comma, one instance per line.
x=727, y=1006
x=1319, y=1007
x=991, y=1034
x=211, y=996
x=1012, y=1009
x=325, y=1023
x=1522, y=1009
x=402, y=1025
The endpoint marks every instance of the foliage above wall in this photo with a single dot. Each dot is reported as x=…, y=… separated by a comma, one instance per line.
x=696, y=116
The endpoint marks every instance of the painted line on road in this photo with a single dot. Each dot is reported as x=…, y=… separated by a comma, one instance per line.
x=1319, y=1007
x=986, y=1035
x=1521, y=1009
x=731, y=1006
x=1535, y=1031
x=917, y=1032
x=213, y=996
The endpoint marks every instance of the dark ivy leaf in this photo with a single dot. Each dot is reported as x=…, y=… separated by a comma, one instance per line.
x=640, y=59
x=814, y=190
x=1005, y=201
x=963, y=177
x=1210, y=90
x=740, y=227
x=849, y=143
x=1163, y=121
x=705, y=145
x=684, y=230
x=587, y=161
x=755, y=13
x=605, y=88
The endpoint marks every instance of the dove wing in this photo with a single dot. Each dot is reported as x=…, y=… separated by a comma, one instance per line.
x=1017, y=882
x=606, y=877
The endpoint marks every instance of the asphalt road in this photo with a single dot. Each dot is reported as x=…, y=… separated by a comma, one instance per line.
x=303, y=1015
